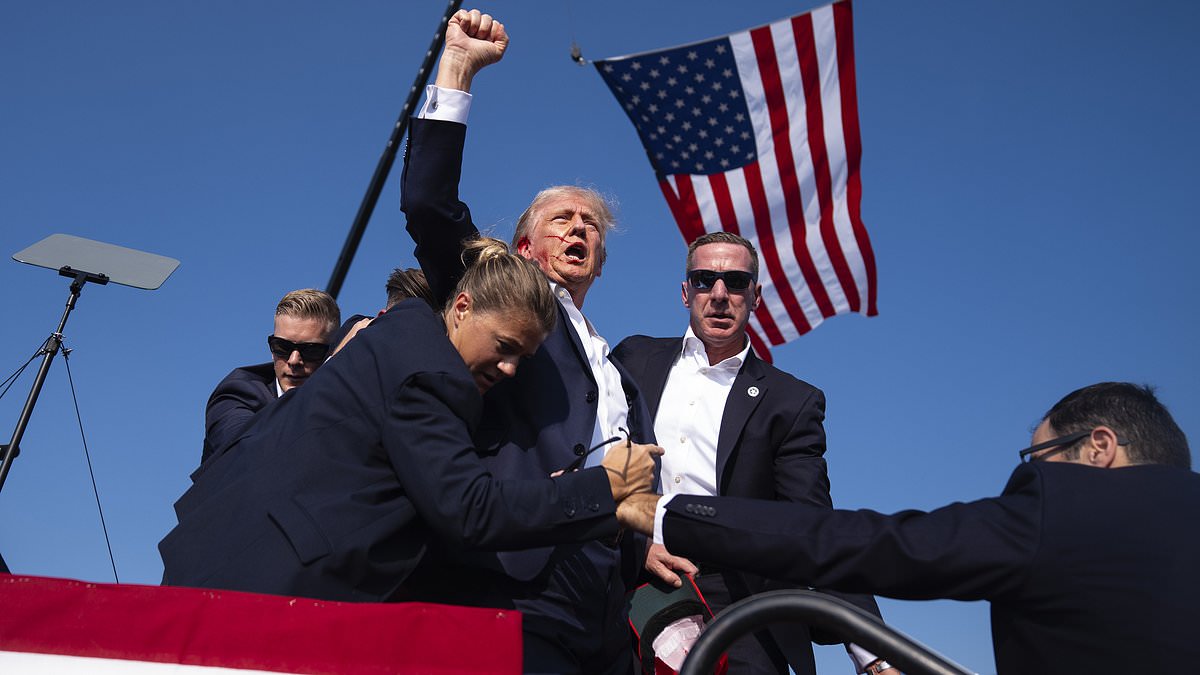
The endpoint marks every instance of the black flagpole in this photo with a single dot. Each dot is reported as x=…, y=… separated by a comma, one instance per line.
x=367, y=207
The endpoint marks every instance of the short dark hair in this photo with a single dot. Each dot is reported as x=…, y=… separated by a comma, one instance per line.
x=410, y=283
x=722, y=238
x=1130, y=410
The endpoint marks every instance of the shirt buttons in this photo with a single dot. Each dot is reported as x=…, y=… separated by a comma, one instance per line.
x=683, y=439
x=678, y=479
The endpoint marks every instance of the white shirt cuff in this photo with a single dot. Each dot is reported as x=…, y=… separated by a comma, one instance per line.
x=659, y=511
x=861, y=657
x=447, y=105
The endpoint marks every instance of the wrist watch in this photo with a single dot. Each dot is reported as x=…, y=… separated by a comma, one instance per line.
x=877, y=666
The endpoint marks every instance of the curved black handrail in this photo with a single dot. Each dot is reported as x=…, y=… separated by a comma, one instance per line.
x=816, y=609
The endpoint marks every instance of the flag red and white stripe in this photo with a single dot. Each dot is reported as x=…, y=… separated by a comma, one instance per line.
x=756, y=133
x=65, y=626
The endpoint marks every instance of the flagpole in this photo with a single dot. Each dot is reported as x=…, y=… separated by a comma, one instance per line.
x=375, y=187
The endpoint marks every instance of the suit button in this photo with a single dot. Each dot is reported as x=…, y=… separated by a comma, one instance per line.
x=593, y=506
x=569, y=508
x=579, y=449
x=710, y=510
x=590, y=397
x=690, y=508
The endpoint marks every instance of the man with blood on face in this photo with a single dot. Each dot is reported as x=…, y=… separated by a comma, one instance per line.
x=567, y=398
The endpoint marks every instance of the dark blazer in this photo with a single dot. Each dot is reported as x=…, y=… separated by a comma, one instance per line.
x=336, y=490
x=233, y=403
x=539, y=421
x=1088, y=570
x=771, y=445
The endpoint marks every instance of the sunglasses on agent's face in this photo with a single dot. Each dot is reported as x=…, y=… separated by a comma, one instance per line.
x=1054, y=446
x=735, y=280
x=310, y=352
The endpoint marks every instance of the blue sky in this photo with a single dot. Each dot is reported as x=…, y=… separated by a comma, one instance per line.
x=1026, y=176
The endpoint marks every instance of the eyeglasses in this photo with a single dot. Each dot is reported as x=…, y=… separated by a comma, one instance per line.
x=580, y=459
x=1063, y=444
x=309, y=351
x=735, y=280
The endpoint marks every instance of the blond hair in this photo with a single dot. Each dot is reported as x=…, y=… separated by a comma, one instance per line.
x=500, y=281
x=311, y=303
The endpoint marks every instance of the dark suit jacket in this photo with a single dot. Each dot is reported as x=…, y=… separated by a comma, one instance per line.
x=233, y=403
x=335, y=490
x=539, y=421
x=771, y=445
x=1088, y=570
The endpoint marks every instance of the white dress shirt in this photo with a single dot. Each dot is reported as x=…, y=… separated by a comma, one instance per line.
x=612, y=410
x=689, y=418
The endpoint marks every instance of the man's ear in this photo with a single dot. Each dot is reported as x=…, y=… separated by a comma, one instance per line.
x=1102, y=450
x=686, y=303
x=757, y=297
x=523, y=247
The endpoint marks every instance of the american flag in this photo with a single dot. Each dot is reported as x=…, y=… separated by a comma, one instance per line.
x=756, y=133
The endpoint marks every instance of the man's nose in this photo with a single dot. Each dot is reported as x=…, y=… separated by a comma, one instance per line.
x=719, y=291
x=294, y=359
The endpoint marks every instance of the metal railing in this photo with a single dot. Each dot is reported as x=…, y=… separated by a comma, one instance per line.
x=815, y=609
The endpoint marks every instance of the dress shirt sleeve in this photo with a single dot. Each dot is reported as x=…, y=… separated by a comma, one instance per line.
x=447, y=105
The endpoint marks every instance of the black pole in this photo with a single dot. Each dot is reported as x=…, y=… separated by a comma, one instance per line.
x=50, y=348
x=814, y=609
x=367, y=207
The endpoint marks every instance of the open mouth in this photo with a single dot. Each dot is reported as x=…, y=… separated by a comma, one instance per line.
x=576, y=252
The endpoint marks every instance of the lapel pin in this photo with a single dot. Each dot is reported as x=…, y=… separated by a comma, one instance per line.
x=752, y=391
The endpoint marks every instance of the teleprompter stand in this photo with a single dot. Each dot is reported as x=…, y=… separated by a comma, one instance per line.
x=81, y=260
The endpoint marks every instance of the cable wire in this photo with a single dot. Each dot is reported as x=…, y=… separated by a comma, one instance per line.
x=78, y=418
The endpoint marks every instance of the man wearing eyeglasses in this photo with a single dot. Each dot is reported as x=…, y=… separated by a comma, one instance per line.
x=733, y=425
x=1088, y=556
x=304, y=322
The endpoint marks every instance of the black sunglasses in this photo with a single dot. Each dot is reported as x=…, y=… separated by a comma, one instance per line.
x=573, y=466
x=309, y=351
x=735, y=280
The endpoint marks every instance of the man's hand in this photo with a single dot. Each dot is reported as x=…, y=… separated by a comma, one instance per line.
x=664, y=565
x=636, y=512
x=630, y=468
x=359, y=325
x=473, y=41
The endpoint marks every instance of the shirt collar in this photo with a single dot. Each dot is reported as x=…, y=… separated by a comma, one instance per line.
x=693, y=348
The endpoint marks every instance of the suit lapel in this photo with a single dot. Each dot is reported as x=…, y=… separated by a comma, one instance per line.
x=658, y=368
x=749, y=389
x=564, y=324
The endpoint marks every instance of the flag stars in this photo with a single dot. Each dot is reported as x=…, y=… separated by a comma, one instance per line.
x=663, y=61
x=671, y=82
x=686, y=126
x=696, y=112
x=636, y=65
x=654, y=72
x=662, y=93
x=721, y=48
x=679, y=103
x=727, y=73
x=645, y=86
x=682, y=69
x=692, y=56
x=706, y=99
x=709, y=63
x=699, y=77
x=702, y=134
x=689, y=91
x=627, y=77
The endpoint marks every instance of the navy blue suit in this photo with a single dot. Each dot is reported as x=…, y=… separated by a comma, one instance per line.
x=533, y=424
x=336, y=490
x=1088, y=570
x=233, y=403
x=771, y=445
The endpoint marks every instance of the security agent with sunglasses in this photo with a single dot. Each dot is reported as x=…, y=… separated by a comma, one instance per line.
x=305, y=320
x=1089, y=556
x=733, y=425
